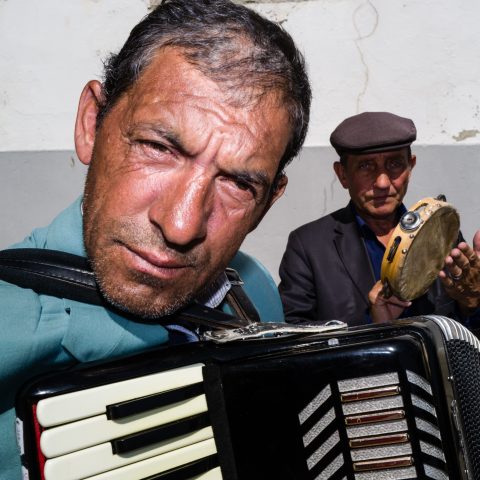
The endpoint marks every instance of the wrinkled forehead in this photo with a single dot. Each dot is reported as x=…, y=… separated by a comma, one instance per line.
x=171, y=76
x=172, y=68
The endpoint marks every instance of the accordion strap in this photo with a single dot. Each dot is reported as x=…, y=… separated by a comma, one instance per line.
x=238, y=299
x=64, y=275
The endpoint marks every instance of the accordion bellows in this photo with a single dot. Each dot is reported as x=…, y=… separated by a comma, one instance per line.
x=394, y=401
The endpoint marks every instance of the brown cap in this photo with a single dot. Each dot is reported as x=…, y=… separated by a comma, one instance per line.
x=373, y=132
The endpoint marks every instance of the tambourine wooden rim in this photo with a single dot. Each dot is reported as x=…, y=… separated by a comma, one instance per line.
x=417, y=248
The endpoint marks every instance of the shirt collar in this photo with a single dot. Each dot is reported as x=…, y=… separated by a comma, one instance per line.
x=213, y=296
x=361, y=222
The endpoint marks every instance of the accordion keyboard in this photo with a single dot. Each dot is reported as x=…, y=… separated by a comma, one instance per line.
x=146, y=427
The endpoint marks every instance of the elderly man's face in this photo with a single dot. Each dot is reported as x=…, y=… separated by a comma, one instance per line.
x=377, y=182
x=177, y=179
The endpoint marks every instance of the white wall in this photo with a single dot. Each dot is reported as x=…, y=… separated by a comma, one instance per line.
x=415, y=58
x=48, y=50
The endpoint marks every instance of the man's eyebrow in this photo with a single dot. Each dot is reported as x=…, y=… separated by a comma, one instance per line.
x=169, y=135
x=397, y=156
x=366, y=158
x=257, y=178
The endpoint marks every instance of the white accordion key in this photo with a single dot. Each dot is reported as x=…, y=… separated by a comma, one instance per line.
x=162, y=463
x=74, y=406
x=99, y=429
x=99, y=459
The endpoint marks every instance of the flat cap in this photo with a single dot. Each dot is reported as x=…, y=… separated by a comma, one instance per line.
x=371, y=132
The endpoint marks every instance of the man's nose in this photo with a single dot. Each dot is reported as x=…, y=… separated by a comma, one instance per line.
x=382, y=180
x=182, y=214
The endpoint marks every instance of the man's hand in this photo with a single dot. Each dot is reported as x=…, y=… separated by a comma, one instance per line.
x=383, y=309
x=461, y=275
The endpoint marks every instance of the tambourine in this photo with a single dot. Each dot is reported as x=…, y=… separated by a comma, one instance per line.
x=416, y=251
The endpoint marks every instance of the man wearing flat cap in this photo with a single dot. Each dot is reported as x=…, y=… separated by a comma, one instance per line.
x=331, y=266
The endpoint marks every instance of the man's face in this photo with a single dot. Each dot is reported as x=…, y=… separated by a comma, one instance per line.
x=377, y=182
x=177, y=179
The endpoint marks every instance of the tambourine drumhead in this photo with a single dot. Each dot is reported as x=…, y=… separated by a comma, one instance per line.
x=416, y=251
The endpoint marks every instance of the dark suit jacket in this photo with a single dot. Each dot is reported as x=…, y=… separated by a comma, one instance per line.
x=326, y=274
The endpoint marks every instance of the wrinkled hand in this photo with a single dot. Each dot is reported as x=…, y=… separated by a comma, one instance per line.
x=383, y=309
x=461, y=275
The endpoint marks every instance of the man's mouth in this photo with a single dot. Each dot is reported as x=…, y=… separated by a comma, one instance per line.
x=380, y=198
x=155, y=264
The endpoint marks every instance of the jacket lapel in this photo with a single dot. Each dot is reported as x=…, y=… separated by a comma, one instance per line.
x=353, y=253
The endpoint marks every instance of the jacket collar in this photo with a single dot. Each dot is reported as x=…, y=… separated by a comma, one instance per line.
x=65, y=233
x=352, y=251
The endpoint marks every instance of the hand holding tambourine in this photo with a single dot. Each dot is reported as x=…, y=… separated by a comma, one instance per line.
x=420, y=249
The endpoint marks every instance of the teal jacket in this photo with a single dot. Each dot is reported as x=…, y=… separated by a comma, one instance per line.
x=40, y=333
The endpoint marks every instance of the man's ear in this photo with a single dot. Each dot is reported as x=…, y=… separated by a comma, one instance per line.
x=281, y=185
x=341, y=174
x=413, y=161
x=86, y=123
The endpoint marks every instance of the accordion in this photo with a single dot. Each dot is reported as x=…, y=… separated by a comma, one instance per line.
x=391, y=401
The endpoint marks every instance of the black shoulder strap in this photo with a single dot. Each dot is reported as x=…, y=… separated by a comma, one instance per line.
x=64, y=275
x=50, y=272
x=238, y=299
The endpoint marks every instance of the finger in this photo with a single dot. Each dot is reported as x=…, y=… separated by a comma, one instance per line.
x=476, y=243
x=452, y=269
x=393, y=300
x=460, y=260
x=443, y=275
x=375, y=293
x=446, y=280
x=471, y=257
x=472, y=253
x=449, y=265
x=466, y=250
x=449, y=261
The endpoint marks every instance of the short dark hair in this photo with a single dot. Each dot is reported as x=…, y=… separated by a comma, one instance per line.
x=226, y=42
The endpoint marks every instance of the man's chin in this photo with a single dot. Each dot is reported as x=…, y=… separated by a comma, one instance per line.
x=383, y=209
x=146, y=308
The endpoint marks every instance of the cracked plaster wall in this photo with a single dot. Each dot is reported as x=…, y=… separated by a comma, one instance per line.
x=415, y=58
x=418, y=59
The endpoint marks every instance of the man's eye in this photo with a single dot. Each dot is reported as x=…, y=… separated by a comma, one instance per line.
x=243, y=185
x=239, y=188
x=365, y=166
x=158, y=147
x=396, y=165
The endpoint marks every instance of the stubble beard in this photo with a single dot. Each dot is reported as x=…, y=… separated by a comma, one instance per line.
x=128, y=299
x=140, y=294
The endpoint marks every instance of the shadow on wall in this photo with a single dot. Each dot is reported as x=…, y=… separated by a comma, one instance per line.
x=38, y=185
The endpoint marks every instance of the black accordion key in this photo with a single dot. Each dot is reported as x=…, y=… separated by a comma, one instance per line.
x=143, y=404
x=159, y=434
